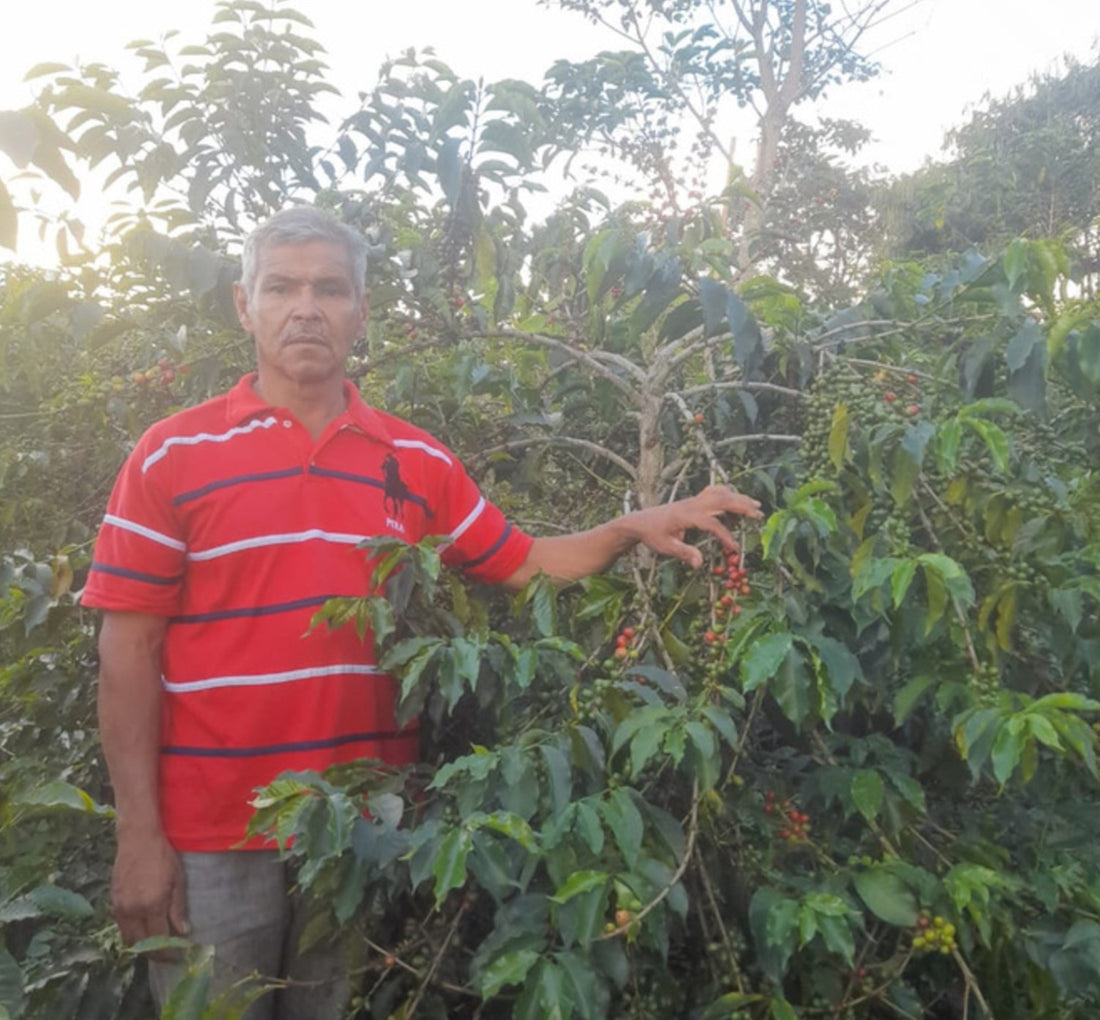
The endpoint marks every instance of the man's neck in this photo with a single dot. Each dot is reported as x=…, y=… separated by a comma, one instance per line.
x=313, y=404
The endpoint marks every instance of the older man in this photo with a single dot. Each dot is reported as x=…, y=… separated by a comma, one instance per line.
x=229, y=525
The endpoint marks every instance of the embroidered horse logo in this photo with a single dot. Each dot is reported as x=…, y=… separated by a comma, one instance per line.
x=394, y=490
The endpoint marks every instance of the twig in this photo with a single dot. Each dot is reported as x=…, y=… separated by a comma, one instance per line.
x=871, y=823
x=716, y=469
x=685, y=860
x=410, y=1010
x=731, y=955
x=584, y=444
x=398, y=962
x=972, y=984
x=971, y=651
x=756, y=437
x=762, y=387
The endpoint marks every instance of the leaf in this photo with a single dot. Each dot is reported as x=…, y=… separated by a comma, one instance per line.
x=748, y=343
x=54, y=901
x=189, y=998
x=11, y=984
x=49, y=67
x=712, y=297
x=867, y=792
x=1027, y=385
x=449, y=867
x=580, y=882
x=1007, y=749
x=838, y=436
x=507, y=969
x=59, y=794
x=9, y=220
x=947, y=446
x=729, y=1005
x=906, y=699
x=900, y=580
x=1021, y=345
x=764, y=659
x=773, y=919
x=587, y=825
x=994, y=438
x=887, y=897
x=625, y=822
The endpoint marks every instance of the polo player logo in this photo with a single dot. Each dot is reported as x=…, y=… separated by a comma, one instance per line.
x=394, y=490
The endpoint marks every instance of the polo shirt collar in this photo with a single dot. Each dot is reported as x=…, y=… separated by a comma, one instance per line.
x=243, y=402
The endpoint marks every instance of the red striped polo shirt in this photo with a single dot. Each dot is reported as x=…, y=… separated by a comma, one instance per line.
x=230, y=520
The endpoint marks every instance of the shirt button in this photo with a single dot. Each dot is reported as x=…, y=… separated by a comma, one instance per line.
x=287, y=423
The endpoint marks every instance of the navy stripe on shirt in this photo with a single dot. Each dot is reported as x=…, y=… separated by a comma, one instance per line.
x=305, y=745
x=376, y=483
x=223, y=483
x=253, y=611
x=136, y=575
x=492, y=550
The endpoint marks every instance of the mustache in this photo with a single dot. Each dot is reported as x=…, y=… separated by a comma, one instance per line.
x=304, y=333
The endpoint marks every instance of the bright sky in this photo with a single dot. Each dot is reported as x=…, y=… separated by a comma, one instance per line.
x=939, y=57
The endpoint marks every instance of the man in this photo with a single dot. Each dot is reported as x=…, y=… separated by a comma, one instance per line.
x=229, y=525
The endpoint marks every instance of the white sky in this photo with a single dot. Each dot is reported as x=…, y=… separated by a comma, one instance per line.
x=940, y=57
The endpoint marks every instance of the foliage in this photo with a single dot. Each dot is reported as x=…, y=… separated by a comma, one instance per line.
x=848, y=772
x=1024, y=165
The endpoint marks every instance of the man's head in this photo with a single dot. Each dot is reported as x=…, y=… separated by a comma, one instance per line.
x=298, y=225
x=302, y=298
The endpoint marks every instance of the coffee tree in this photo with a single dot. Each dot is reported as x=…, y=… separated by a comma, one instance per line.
x=846, y=771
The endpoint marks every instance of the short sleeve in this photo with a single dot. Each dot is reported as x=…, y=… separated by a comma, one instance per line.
x=484, y=544
x=140, y=552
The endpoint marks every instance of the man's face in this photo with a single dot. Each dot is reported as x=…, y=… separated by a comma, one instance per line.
x=302, y=312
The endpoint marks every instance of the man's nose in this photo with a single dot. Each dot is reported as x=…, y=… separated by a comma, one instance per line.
x=306, y=305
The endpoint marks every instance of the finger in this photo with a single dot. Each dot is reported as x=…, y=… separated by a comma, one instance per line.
x=726, y=500
x=682, y=551
x=715, y=527
x=177, y=909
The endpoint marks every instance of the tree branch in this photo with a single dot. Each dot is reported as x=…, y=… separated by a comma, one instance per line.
x=584, y=444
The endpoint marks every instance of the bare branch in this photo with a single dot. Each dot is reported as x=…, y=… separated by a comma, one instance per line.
x=598, y=361
x=584, y=444
x=759, y=387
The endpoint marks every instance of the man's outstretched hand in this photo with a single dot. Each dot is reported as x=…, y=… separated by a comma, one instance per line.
x=663, y=529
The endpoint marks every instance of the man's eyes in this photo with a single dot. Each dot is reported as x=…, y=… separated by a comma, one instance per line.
x=323, y=289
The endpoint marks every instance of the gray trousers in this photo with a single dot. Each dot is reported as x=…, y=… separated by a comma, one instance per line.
x=240, y=902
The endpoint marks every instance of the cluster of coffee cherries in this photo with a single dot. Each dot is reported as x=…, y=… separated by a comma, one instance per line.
x=795, y=824
x=162, y=374
x=910, y=407
x=735, y=585
x=933, y=935
x=624, y=644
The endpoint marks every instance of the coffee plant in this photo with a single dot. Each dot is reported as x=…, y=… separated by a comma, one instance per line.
x=846, y=771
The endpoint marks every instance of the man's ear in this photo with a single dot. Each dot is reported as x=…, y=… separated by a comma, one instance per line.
x=240, y=301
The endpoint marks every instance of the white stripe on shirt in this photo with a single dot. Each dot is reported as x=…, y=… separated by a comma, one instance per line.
x=290, y=538
x=416, y=444
x=472, y=516
x=140, y=529
x=267, y=679
x=205, y=437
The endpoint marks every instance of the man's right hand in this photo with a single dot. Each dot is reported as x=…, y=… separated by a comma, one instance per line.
x=148, y=892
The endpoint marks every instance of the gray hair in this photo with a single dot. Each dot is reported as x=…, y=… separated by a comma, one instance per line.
x=300, y=225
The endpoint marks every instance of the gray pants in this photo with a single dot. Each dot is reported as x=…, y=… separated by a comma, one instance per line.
x=240, y=902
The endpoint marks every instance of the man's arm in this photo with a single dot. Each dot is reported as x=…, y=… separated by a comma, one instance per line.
x=147, y=890
x=661, y=528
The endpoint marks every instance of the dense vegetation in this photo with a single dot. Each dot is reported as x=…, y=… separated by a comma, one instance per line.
x=849, y=773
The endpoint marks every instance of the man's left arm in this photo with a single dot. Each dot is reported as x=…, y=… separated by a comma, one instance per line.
x=660, y=528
